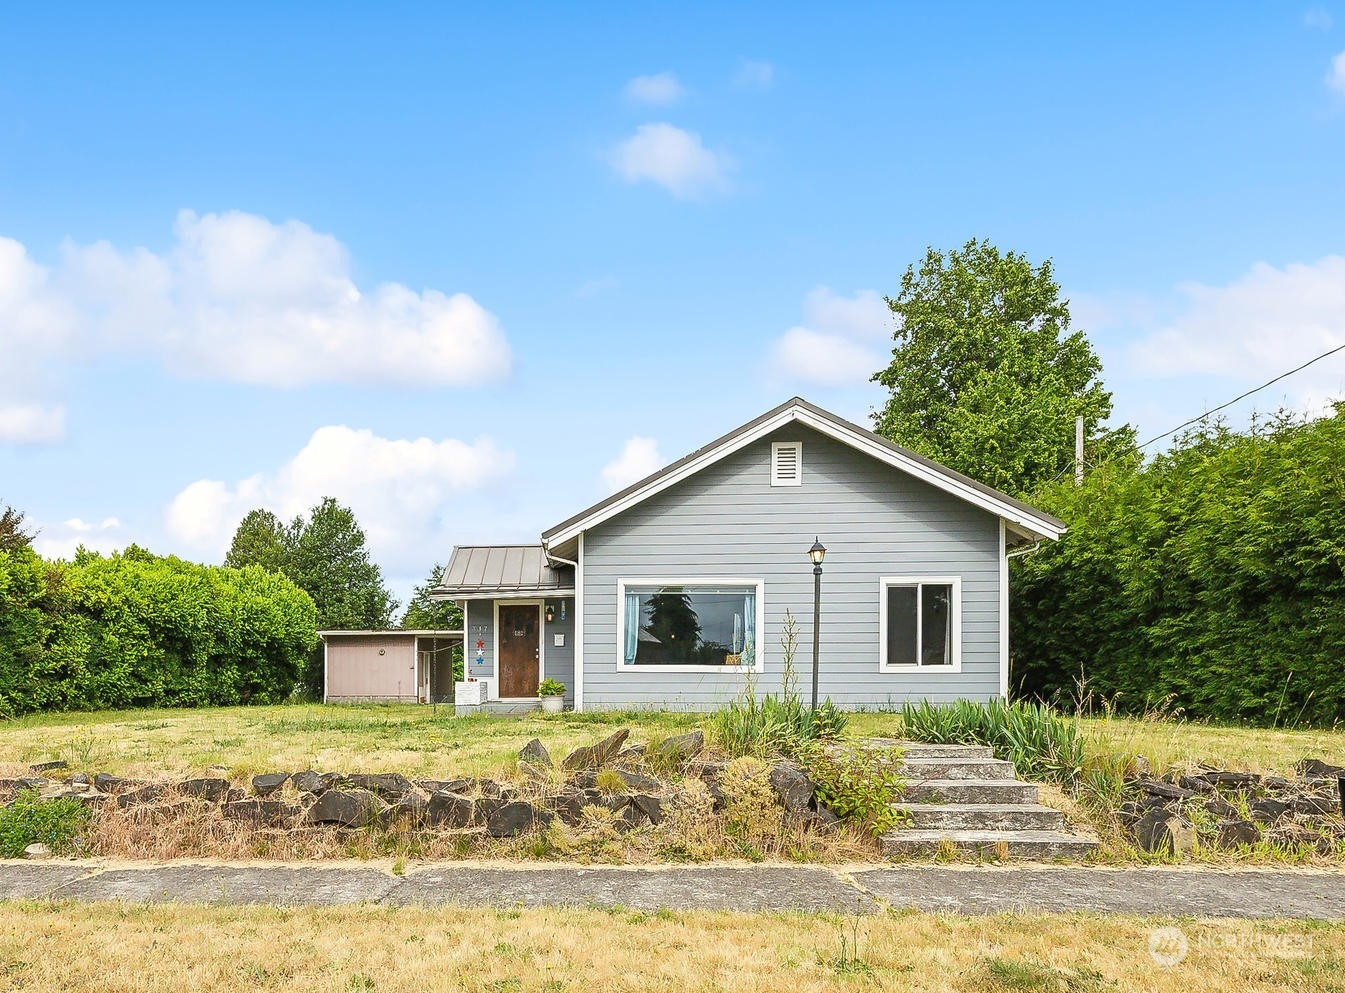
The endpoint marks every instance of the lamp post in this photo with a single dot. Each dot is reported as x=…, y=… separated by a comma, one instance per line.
x=817, y=553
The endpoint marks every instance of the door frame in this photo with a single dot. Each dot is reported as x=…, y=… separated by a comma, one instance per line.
x=541, y=643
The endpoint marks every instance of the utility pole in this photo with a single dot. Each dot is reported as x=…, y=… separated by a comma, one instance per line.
x=1078, y=451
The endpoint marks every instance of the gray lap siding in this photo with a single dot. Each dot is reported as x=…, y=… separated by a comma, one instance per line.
x=728, y=521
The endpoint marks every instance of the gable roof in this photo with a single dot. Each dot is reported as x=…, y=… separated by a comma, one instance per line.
x=1023, y=518
x=502, y=570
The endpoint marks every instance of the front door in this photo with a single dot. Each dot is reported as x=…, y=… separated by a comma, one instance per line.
x=519, y=648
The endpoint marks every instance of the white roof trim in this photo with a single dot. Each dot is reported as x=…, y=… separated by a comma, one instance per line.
x=1034, y=525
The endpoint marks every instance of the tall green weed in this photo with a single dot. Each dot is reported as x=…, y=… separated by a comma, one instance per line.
x=1040, y=743
x=776, y=724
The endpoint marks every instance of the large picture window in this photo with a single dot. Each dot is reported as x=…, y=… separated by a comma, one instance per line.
x=701, y=624
x=920, y=623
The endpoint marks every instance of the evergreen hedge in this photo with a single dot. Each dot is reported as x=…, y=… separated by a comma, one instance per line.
x=138, y=630
x=1212, y=579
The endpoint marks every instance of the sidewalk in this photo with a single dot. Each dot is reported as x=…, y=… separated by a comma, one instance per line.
x=867, y=889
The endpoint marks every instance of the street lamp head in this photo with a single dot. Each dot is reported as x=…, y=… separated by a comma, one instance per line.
x=818, y=552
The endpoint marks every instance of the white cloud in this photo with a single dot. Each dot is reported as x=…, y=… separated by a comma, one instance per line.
x=755, y=75
x=34, y=324
x=838, y=343
x=660, y=89
x=396, y=487
x=62, y=541
x=1319, y=18
x=1336, y=77
x=31, y=424
x=238, y=298
x=675, y=159
x=77, y=524
x=1266, y=321
x=639, y=457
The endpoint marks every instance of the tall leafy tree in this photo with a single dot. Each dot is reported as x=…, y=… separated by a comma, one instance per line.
x=424, y=614
x=261, y=539
x=328, y=558
x=987, y=376
x=13, y=533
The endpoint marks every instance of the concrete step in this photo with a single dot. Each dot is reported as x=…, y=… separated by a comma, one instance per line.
x=943, y=791
x=939, y=767
x=981, y=817
x=1015, y=844
x=919, y=749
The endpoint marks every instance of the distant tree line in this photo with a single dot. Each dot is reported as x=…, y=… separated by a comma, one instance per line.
x=134, y=629
x=1210, y=579
x=140, y=630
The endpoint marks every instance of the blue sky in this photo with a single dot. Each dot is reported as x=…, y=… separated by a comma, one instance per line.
x=468, y=269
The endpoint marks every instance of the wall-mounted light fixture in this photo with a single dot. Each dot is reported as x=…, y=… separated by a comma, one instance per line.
x=550, y=613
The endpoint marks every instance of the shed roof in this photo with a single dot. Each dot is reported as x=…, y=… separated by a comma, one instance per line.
x=502, y=570
x=391, y=633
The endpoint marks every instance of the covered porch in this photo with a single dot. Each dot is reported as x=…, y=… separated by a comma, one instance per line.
x=518, y=606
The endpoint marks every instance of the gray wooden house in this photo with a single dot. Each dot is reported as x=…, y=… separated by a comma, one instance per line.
x=670, y=592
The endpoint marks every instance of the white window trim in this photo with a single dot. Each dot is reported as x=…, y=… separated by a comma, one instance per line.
x=885, y=583
x=541, y=644
x=798, y=463
x=621, y=584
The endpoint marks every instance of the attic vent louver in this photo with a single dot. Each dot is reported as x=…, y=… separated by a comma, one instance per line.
x=787, y=463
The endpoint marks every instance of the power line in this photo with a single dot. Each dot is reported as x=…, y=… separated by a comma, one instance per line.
x=1243, y=396
x=1200, y=417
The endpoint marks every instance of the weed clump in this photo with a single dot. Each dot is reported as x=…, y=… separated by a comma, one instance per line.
x=59, y=824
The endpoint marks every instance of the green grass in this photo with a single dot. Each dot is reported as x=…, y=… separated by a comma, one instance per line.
x=414, y=740
x=425, y=741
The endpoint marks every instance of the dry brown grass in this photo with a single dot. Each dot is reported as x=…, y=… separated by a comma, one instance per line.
x=418, y=741
x=114, y=948
x=245, y=741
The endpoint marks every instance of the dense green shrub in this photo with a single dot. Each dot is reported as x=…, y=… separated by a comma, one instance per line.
x=1039, y=742
x=1211, y=579
x=860, y=784
x=29, y=820
x=136, y=630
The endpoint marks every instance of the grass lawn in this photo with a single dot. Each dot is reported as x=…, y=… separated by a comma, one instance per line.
x=164, y=949
x=407, y=738
x=420, y=741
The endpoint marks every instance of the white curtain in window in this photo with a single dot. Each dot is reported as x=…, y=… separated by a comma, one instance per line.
x=632, y=626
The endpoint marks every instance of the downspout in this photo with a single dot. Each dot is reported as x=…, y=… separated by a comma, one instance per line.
x=1034, y=547
x=578, y=620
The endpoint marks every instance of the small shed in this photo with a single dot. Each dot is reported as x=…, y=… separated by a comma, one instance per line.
x=388, y=666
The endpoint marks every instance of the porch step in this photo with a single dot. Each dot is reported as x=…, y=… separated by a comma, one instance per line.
x=1015, y=844
x=981, y=817
x=951, y=791
x=952, y=767
x=921, y=750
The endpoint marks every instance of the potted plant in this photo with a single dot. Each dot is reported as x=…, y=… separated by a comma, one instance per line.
x=552, y=692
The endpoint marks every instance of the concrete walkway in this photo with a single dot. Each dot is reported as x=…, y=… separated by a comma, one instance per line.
x=863, y=889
